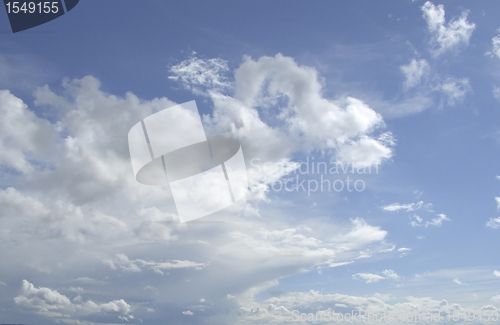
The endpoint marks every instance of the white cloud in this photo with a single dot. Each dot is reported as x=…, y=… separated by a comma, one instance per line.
x=156, y=225
x=201, y=76
x=16, y=204
x=188, y=313
x=395, y=207
x=69, y=170
x=279, y=309
x=457, y=281
x=25, y=140
x=496, y=273
x=364, y=151
x=494, y=223
x=368, y=277
x=390, y=274
x=497, y=199
x=76, y=289
x=305, y=120
x=361, y=234
x=417, y=220
x=372, y=278
x=53, y=218
x=435, y=222
x=137, y=265
x=93, y=155
x=454, y=90
x=84, y=205
x=295, y=248
x=85, y=170
x=414, y=72
x=48, y=302
x=448, y=36
x=278, y=109
x=495, y=44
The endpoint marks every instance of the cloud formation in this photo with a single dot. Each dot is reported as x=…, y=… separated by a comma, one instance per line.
x=416, y=220
x=495, y=46
x=454, y=90
x=124, y=263
x=303, y=119
x=51, y=303
x=493, y=223
x=394, y=207
x=435, y=222
x=81, y=201
x=201, y=76
x=24, y=138
x=371, y=278
x=286, y=307
x=414, y=72
x=446, y=36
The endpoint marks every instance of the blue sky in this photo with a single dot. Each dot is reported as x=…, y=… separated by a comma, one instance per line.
x=410, y=89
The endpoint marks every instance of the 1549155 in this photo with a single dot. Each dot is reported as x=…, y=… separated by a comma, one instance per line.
x=47, y=7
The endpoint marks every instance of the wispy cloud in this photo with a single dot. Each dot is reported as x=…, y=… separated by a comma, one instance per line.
x=446, y=36
x=416, y=220
x=414, y=72
x=395, y=207
x=493, y=223
x=435, y=222
x=371, y=278
x=495, y=46
x=368, y=277
x=454, y=90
